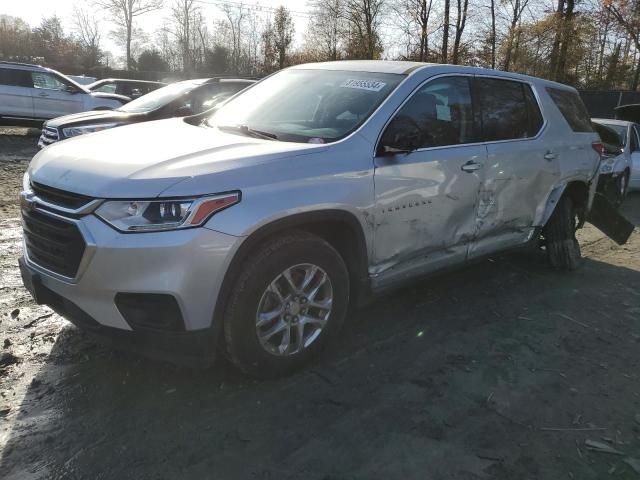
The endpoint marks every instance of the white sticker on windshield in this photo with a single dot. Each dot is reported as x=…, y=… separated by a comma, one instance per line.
x=371, y=85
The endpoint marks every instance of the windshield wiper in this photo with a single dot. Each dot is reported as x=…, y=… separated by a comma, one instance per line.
x=249, y=131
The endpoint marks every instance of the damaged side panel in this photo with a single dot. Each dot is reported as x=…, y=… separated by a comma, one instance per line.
x=425, y=210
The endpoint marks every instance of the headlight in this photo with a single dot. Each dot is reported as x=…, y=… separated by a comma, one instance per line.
x=82, y=129
x=606, y=165
x=155, y=215
x=26, y=182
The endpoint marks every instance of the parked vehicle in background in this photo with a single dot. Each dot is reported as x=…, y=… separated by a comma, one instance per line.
x=129, y=88
x=35, y=93
x=178, y=99
x=319, y=185
x=617, y=171
x=82, y=79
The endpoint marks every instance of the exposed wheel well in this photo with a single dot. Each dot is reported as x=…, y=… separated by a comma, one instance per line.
x=579, y=193
x=339, y=228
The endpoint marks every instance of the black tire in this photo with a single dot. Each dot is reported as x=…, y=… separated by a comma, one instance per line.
x=621, y=187
x=563, y=249
x=258, y=272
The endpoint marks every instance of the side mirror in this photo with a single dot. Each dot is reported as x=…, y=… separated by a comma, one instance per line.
x=403, y=135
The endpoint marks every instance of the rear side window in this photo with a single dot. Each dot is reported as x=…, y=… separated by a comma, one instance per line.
x=572, y=109
x=508, y=110
x=15, y=78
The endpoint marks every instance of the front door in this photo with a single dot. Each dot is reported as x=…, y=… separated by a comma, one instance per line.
x=425, y=198
x=51, y=98
x=522, y=164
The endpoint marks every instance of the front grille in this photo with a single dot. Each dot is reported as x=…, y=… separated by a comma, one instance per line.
x=58, y=197
x=48, y=136
x=52, y=243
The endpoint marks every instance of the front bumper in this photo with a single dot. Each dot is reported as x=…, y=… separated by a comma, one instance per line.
x=187, y=265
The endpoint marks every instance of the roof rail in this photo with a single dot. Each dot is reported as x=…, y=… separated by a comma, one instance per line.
x=22, y=64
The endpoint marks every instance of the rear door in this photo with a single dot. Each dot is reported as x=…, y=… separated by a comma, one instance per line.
x=521, y=168
x=51, y=98
x=15, y=93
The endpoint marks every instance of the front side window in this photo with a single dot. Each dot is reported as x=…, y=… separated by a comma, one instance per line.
x=47, y=80
x=572, y=109
x=316, y=106
x=15, y=78
x=504, y=109
x=440, y=113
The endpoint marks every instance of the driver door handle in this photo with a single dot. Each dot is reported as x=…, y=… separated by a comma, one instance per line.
x=43, y=94
x=471, y=166
x=550, y=156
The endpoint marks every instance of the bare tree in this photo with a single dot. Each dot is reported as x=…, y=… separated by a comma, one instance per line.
x=123, y=13
x=364, y=22
x=87, y=31
x=184, y=16
x=282, y=34
x=517, y=8
x=414, y=16
x=627, y=14
x=461, y=21
x=445, y=31
x=327, y=28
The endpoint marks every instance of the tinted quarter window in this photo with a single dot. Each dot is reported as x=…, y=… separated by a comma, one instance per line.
x=504, y=110
x=15, y=78
x=442, y=112
x=572, y=109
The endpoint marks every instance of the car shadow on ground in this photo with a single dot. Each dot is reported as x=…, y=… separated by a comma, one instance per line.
x=501, y=370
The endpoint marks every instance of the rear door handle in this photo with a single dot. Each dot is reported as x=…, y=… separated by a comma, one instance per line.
x=550, y=156
x=471, y=166
x=43, y=94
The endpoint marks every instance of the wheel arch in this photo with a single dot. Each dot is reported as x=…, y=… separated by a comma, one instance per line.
x=338, y=227
x=578, y=190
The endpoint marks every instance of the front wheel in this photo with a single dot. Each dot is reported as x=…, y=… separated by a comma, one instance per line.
x=289, y=301
x=563, y=249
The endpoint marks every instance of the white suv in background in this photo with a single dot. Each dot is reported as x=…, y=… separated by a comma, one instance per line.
x=32, y=92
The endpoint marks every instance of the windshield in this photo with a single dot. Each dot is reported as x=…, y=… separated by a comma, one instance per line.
x=159, y=98
x=307, y=105
x=619, y=129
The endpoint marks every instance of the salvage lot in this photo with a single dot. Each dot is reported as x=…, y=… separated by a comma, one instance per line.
x=500, y=370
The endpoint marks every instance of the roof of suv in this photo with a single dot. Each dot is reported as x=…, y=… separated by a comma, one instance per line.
x=406, y=68
x=23, y=66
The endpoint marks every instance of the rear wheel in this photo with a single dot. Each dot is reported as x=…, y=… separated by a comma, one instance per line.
x=288, y=303
x=563, y=249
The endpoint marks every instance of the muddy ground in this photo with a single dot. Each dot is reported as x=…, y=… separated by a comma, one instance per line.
x=502, y=370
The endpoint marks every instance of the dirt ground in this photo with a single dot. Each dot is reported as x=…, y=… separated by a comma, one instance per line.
x=502, y=370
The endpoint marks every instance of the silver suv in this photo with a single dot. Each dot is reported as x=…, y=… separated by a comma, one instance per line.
x=256, y=229
x=32, y=92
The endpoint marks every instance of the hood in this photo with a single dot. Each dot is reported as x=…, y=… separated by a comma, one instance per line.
x=91, y=117
x=111, y=96
x=144, y=159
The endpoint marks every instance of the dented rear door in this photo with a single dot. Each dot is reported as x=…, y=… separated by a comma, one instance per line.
x=522, y=164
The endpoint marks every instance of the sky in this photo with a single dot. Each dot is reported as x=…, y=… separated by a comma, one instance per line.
x=32, y=11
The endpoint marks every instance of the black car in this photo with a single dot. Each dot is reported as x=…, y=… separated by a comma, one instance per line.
x=179, y=99
x=121, y=86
